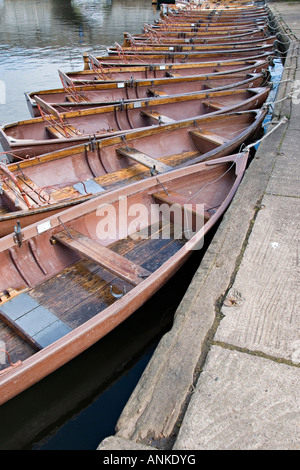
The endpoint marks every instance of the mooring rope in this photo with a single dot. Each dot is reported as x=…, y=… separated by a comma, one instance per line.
x=253, y=144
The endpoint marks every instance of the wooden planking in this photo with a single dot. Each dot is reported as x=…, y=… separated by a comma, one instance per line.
x=4, y=210
x=62, y=132
x=17, y=348
x=18, y=330
x=102, y=255
x=150, y=255
x=157, y=92
x=83, y=290
x=143, y=159
x=81, y=98
x=128, y=175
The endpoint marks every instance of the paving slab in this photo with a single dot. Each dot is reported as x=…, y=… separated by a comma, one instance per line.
x=262, y=309
x=242, y=402
x=289, y=12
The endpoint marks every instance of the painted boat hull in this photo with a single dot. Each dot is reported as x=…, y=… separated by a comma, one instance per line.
x=32, y=137
x=59, y=259
x=66, y=175
x=92, y=96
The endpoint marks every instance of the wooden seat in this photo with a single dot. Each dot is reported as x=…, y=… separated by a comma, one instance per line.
x=61, y=132
x=172, y=197
x=56, y=127
x=158, y=117
x=209, y=136
x=171, y=74
x=214, y=104
x=80, y=99
x=144, y=159
x=108, y=259
x=156, y=92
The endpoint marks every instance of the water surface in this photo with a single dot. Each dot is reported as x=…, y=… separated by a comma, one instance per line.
x=38, y=37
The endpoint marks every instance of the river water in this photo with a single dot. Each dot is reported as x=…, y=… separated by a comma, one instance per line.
x=77, y=406
x=38, y=37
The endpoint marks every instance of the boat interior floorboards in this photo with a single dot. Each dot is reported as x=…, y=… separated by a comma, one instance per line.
x=84, y=289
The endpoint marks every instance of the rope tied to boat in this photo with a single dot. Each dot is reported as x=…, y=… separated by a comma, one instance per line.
x=234, y=162
x=14, y=155
x=253, y=144
x=12, y=364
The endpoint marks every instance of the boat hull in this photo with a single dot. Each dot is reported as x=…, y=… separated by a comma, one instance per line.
x=167, y=147
x=31, y=138
x=22, y=375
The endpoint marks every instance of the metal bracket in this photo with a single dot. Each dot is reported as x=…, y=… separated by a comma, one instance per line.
x=117, y=296
x=18, y=235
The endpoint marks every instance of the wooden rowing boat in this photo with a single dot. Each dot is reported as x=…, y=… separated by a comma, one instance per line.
x=154, y=37
x=219, y=7
x=181, y=46
x=95, y=71
x=198, y=27
x=54, y=181
x=209, y=11
x=214, y=16
x=66, y=283
x=202, y=33
x=214, y=19
x=117, y=57
x=53, y=130
x=72, y=98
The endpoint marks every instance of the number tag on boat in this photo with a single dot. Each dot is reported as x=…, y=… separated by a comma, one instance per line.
x=137, y=104
x=43, y=227
x=121, y=85
x=162, y=67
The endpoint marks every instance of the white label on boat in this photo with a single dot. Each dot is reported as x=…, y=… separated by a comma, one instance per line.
x=121, y=85
x=162, y=67
x=192, y=24
x=137, y=104
x=43, y=227
x=171, y=48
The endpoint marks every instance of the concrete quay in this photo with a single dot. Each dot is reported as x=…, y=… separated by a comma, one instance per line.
x=226, y=376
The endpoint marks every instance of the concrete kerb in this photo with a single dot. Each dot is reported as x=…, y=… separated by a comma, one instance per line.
x=152, y=416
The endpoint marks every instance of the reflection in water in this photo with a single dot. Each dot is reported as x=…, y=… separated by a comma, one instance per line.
x=37, y=38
